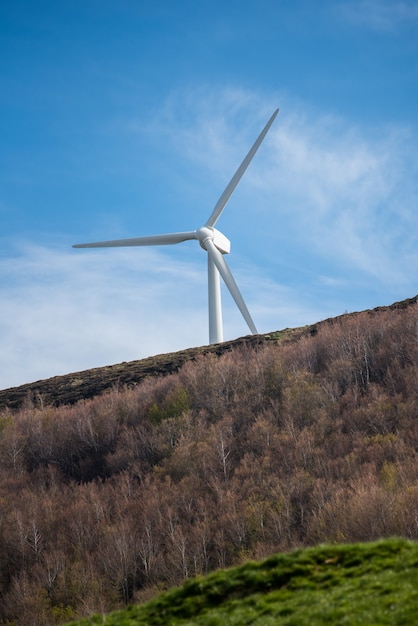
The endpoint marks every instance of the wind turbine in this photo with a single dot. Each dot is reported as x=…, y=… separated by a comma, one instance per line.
x=214, y=242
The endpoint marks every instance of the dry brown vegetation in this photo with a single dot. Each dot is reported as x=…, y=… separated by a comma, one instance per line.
x=232, y=457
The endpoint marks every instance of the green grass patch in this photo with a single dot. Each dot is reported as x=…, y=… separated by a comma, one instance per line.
x=356, y=584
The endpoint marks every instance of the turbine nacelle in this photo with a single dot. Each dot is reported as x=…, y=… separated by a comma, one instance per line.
x=221, y=242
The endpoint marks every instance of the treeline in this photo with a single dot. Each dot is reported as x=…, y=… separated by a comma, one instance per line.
x=105, y=502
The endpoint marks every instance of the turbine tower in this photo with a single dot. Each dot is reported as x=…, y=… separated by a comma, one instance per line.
x=214, y=242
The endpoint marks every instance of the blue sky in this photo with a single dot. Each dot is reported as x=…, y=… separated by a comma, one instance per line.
x=127, y=118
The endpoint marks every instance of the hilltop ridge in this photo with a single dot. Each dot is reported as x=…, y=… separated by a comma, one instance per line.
x=70, y=388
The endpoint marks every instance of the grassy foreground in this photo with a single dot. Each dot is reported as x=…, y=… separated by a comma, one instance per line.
x=374, y=583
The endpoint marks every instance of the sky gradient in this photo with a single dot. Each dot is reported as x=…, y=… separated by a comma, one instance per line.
x=128, y=118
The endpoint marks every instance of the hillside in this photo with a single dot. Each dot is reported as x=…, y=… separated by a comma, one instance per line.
x=352, y=584
x=285, y=443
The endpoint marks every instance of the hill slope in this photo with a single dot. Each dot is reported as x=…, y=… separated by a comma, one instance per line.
x=358, y=584
x=265, y=448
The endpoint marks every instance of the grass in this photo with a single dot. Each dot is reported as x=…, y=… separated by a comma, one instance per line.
x=357, y=584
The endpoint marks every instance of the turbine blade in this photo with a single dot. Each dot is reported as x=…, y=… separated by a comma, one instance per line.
x=219, y=206
x=229, y=280
x=152, y=240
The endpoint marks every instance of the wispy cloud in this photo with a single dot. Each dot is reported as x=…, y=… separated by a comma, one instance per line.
x=380, y=15
x=346, y=193
x=354, y=192
x=62, y=311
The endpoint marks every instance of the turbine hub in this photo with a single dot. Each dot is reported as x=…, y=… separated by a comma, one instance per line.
x=221, y=242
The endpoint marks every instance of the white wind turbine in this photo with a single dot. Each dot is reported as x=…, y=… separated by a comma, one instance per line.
x=214, y=242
